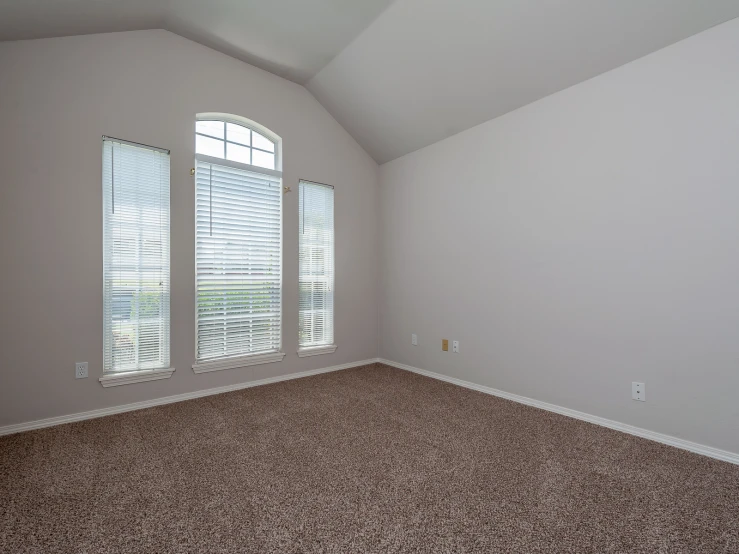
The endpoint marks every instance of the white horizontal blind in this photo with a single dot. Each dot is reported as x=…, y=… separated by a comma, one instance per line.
x=135, y=257
x=316, y=264
x=238, y=262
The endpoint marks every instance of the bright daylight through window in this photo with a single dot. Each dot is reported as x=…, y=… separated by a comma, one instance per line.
x=135, y=257
x=316, y=269
x=238, y=246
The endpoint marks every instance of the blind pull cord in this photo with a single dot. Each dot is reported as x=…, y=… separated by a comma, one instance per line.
x=161, y=191
x=112, y=175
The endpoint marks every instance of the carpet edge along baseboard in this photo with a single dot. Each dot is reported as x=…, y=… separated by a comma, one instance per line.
x=697, y=448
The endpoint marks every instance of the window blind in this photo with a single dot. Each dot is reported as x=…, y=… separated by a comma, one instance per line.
x=238, y=262
x=136, y=286
x=316, y=264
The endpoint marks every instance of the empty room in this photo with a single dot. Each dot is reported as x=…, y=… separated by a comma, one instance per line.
x=369, y=276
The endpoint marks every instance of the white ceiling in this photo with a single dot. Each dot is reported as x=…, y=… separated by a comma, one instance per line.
x=291, y=38
x=402, y=77
x=25, y=19
x=427, y=69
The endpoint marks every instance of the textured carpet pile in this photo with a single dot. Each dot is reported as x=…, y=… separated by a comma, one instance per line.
x=371, y=459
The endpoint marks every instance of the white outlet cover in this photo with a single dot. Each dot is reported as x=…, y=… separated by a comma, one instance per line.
x=455, y=346
x=80, y=370
x=414, y=339
x=638, y=391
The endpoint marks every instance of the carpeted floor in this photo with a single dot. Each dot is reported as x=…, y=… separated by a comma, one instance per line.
x=372, y=459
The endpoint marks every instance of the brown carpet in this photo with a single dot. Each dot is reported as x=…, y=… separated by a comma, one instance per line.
x=371, y=459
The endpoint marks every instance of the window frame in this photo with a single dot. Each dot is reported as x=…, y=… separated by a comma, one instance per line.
x=258, y=358
x=111, y=377
x=315, y=350
x=248, y=124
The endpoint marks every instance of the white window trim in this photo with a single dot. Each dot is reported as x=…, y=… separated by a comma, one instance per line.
x=238, y=165
x=253, y=359
x=111, y=377
x=138, y=376
x=253, y=126
x=316, y=350
x=261, y=357
x=241, y=361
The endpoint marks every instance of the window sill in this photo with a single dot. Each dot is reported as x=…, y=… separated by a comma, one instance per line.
x=316, y=350
x=242, y=361
x=129, y=377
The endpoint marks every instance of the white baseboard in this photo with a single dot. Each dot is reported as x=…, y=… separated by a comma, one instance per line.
x=92, y=414
x=709, y=451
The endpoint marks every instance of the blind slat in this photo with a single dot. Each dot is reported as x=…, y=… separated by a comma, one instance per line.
x=136, y=270
x=238, y=252
x=316, y=264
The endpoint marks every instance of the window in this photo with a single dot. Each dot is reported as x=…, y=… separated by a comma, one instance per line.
x=234, y=142
x=238, y=247
x=135, y=261
x=316, y=269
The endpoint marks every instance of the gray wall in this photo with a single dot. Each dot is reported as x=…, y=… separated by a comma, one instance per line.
x=583, y=242
x=57, y=98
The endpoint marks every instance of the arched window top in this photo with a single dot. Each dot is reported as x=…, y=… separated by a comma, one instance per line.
x=237, y=140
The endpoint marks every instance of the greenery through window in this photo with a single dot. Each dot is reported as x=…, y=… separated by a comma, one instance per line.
x=238, y=245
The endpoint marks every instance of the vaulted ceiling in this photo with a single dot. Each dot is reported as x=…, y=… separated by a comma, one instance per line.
x=291, y=38
x=400, y=75
x=427, y=69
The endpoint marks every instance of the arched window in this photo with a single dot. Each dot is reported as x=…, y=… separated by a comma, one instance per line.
x=238, y=243
x=234, y=140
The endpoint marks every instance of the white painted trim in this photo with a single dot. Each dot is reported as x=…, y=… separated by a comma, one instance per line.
x=253, y=125
x=241, y=361
x=130, y=377
x=92, y=414
x=316, y=350
x=276, y=175
x=709, y=451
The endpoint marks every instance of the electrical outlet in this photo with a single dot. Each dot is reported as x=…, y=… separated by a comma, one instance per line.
x=455, y=346
x=80, y=370
x=638, y=391
x=445, y=345
x=414, y=339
